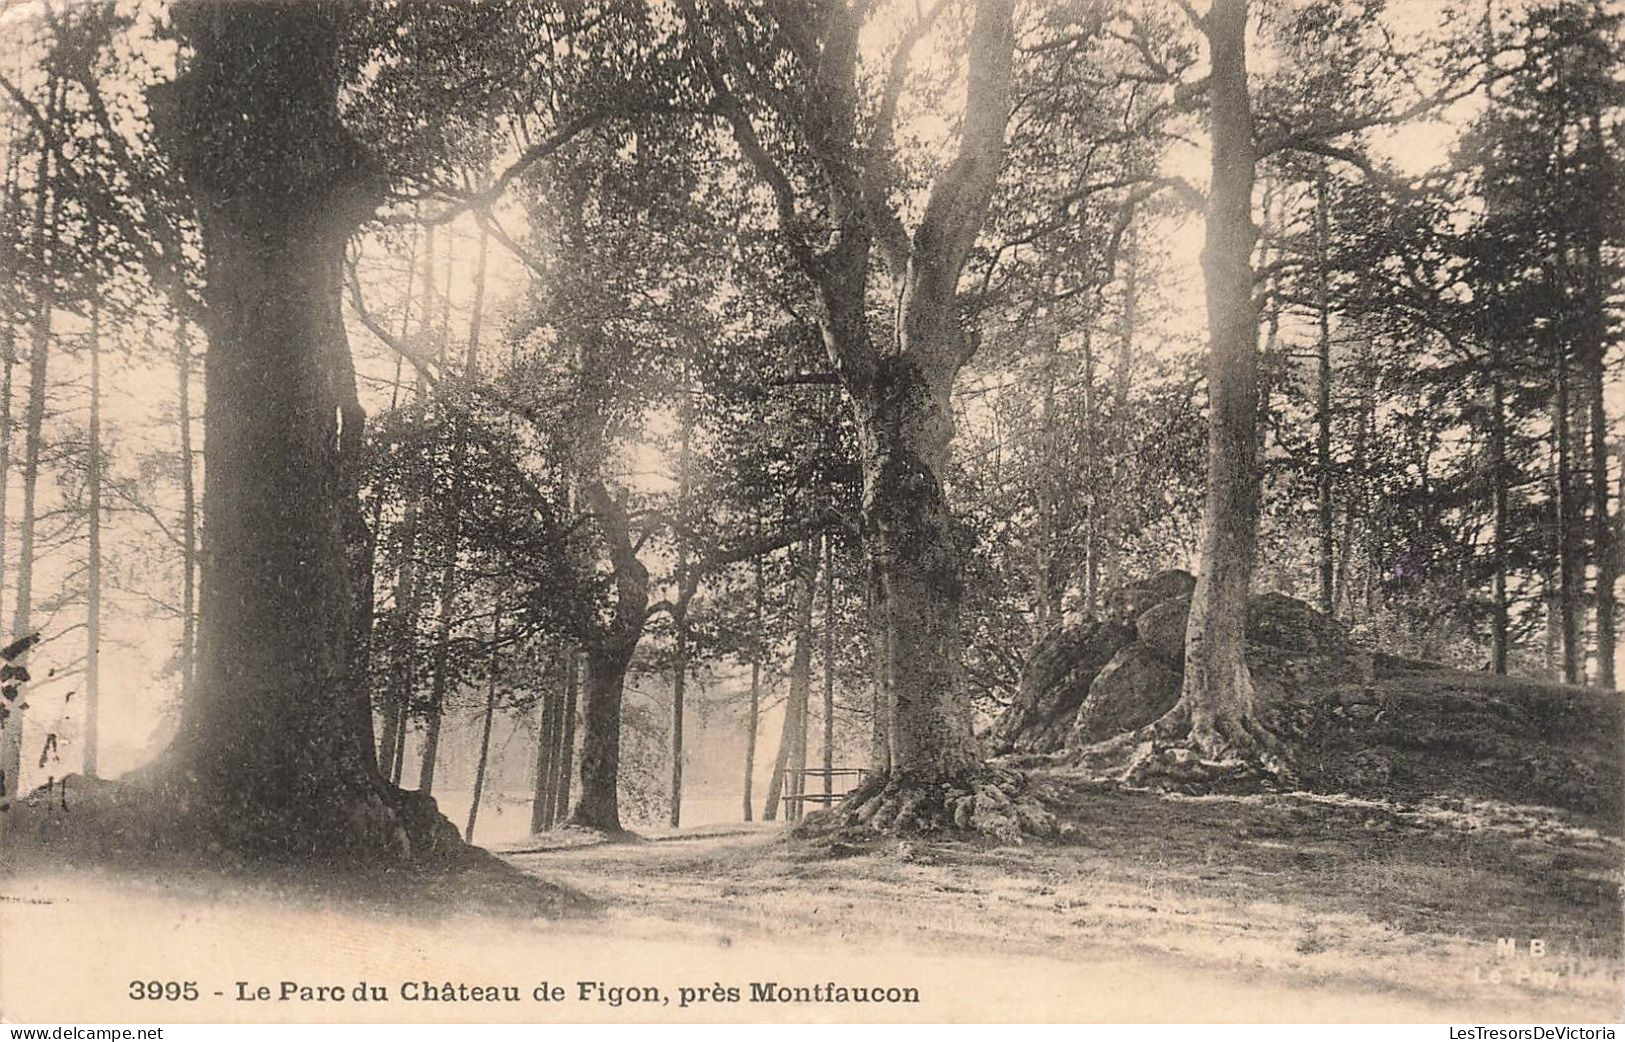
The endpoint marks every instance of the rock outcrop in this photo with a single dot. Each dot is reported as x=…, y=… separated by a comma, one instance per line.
x=1092, y=681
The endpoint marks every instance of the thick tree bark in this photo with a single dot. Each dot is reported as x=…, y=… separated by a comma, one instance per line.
x=904, y=429
x=273, y=739
x=900, y=395
x=598, y=806
x=609, y=652
x=1217, y=693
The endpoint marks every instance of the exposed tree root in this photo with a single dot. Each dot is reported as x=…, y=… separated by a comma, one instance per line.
x=989, y=801
x=1239, y=754
x=591, y=835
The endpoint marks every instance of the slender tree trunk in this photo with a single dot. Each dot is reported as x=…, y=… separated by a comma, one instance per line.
x=93, y=563
x=791, y=759
x=751, y=725
x=1602, y=532
x=485, y=729
x=13, y=723
x=829, y=668
x=678, y=682
x=8, y=364
x=1217, y=692
x=459, y=495
x=1563, y=516
x=189, y=562
x=1091, y=530
x=1121, y=382
x=1323, y=408
x=1499, y=507
x=394, y=710
x=753, y=719
x=1046, y=603
x=408, y=582
x=567, y=736
x=544, y=804
x=1501, y=476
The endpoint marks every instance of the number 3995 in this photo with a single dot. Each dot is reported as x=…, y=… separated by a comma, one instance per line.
x=170, y=990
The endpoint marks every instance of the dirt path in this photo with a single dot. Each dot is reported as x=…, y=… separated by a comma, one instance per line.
x=1351, y=910
x=1277, y=908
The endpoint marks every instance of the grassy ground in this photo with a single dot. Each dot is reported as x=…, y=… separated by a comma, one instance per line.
x=1363, y=900
x=1481, y=810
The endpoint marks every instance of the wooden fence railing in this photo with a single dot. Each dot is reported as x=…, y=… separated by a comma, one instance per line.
x=795, y=802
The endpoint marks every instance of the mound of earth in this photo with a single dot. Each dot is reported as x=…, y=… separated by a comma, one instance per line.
x=1354, y=722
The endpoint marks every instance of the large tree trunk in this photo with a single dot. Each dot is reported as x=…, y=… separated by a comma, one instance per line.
x=273, y=738
x=900, y=396
x=904, y=429
x=1217, y=694
x=598, y=806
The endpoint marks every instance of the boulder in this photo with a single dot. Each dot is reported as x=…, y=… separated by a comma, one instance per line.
x=1127, y=604
x=1054, y=684
x=1134, y=689
x=1161, y=628
x=1286, y=622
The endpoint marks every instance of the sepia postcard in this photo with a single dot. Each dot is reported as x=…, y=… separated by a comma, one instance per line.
x=833, y=511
